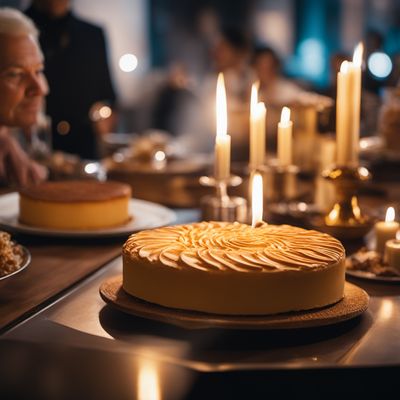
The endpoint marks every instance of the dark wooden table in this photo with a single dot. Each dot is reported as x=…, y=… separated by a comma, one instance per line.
x=57, y=264
x=80, y=334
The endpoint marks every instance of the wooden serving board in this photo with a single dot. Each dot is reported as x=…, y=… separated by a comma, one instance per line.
x=354, y=303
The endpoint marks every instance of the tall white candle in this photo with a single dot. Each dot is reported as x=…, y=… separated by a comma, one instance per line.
x=356, y=76
x=344, y=152
x=222, y=140
x=253, y=99
x=257, y=129
x=348, y=110
x=285, y=138
x=386, y=230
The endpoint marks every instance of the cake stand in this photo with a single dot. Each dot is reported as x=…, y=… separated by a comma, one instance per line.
x=354, y=303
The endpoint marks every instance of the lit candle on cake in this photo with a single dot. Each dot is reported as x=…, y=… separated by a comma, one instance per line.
x=386, y=230
x=285, y=138
x=392, y=252
x=348, y=110
x=257, y=129
x=222, y=140
x=257, y=200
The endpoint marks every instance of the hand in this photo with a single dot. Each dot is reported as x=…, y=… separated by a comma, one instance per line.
x=15, y=165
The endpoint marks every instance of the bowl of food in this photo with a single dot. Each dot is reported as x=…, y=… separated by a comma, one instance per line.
x=13, y=257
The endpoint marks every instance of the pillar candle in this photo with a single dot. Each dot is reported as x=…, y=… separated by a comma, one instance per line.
x=222, y=157
x=285, y=138
x=386, y=230
x=345, y=153
x=257, y=138
x=222, y=140
x=356, y=77
x=257, y=129
x=392, y=253
x=348, y=110
x=324, y=194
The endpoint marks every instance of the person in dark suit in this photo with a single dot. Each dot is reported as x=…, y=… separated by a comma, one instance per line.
x=77, y=71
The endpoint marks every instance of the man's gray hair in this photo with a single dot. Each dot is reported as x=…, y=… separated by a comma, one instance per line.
x=14, y=22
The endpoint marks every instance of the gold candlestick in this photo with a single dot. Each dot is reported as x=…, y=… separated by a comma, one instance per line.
x=346, y=219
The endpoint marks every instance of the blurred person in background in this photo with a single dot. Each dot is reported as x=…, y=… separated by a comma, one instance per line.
x=231, y=55
x=274, y=88
x=22, y=87
x=82, y=96
x=175, y=102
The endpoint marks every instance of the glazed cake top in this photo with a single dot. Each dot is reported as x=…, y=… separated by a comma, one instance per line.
x=236, y=247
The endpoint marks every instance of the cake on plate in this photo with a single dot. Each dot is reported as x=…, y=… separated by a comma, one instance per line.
x=75, y=205
x=234, y=269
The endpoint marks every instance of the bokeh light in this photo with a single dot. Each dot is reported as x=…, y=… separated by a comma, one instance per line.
x=128, y=62
x=380, y=65
x=105, y=112
x=312, y=57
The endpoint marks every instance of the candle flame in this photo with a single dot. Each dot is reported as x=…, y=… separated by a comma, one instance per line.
x=344, y=67
x=356, y=208
x=256, y=199
x=259, y=109
x=254, y=97
x=221, y=107
x=334, y=213
x=390, y=214
x=285, y=115
x=358, y=55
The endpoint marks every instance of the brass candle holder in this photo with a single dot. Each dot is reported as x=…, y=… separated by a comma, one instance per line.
x=220, y=206
x=346, y=220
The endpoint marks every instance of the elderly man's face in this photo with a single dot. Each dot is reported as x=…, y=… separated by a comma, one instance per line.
x=22, y=83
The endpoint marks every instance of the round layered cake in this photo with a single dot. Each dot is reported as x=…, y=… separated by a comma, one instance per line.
x=232, y=268
x=75, y=205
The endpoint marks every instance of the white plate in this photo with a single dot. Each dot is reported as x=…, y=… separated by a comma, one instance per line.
x=146, y=215
x=26, y=261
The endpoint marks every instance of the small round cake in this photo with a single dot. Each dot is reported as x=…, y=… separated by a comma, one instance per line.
x=232, y=268
x=75, y=205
